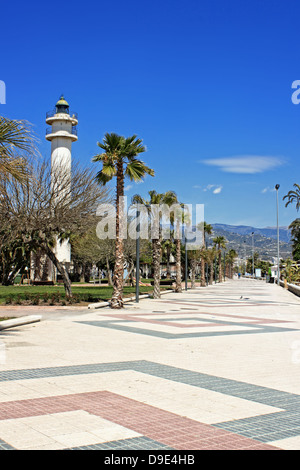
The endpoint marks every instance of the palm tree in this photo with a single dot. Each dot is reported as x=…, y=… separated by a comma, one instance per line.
x=119, y=160
x=211, y=255
x=207, y=230
x=293, y=196
x=193, y=256
x=17, y=145
x=231, y=256
x=179, y=217
x=155, y=198
x=167, y=248
x=220, y=242
x=295, y=232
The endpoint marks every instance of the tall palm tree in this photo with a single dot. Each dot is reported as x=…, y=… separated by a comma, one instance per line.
x=179, y=217
x=220, y=242
x=211, y=255
x=207, y=230
x=119, y=160
x=295, y=232
x=17, y=145
x=156, y=199
x=293, y=196
x=231, y=256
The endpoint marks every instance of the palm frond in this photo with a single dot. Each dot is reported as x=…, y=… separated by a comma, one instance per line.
x=136, y=170
x=17, y=148
x=293, y=196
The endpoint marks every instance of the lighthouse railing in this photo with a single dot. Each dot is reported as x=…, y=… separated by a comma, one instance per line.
x=52, y=113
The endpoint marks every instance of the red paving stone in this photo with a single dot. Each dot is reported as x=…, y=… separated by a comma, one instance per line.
x=178, y=432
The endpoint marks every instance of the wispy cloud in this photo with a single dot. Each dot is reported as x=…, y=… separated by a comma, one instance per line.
x=215, y=188
x=128, y=187
x=268, y=190
x=249, y=164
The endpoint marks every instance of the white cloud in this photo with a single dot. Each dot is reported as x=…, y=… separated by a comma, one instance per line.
x=217, y=190
x=129, y=186
x=249, y=164
x=268, y=190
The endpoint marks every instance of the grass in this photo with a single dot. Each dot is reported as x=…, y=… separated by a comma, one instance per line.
x=52, y=295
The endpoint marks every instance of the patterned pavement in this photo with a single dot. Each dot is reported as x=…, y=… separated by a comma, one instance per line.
x=207, y=369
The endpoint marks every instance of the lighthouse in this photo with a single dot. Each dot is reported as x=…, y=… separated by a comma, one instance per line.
x=62, y=132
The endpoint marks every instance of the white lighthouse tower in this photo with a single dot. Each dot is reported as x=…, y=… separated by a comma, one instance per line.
x=61, y=133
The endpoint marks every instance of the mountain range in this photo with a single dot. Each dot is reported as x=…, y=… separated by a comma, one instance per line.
x=269, y=232
x=263, y=241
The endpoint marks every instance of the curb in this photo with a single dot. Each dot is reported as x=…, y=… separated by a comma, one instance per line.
x=127, y=299
x=19, y=321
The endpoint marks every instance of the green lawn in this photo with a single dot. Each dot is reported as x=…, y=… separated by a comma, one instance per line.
x=82, y=293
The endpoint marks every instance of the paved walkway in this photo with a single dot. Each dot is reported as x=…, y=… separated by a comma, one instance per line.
x=211, y=368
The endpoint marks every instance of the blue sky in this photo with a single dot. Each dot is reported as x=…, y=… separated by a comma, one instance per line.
x=205, y=84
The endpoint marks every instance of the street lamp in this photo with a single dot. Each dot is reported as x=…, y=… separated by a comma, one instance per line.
x=277, y=186
x=137, y=274
x=186, y=261
x=252, y=255
x=245, y=257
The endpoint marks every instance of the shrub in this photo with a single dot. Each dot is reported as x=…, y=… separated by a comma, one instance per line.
x=35, y=299
x=9, y=300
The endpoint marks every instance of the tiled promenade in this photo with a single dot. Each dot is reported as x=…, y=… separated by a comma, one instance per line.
x=214, y=368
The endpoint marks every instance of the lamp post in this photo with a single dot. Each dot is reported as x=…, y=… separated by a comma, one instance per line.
x=137, y=275
x=245, y=257
x=252, y=255
x=186, y=261
x=277, y=186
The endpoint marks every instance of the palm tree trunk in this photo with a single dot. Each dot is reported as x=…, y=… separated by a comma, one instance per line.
x=220, y=266
x=156, y=249
x=203, y=283
x=211, y=277
x=178, y=286
x=193, y=273
x=117, y=296
x=168, y=262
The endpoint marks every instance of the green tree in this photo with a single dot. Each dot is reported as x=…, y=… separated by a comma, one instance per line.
x=17, y=146
x=210, y=256
x=207, y=230
x=36, y=216
x=220, y=242
x=293, y=196
x=119, y=159
x=295, y=232
x=156, y=199
x=231, y=256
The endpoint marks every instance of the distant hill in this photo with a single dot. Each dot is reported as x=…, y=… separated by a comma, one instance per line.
x=264, y=240
x=270, y=232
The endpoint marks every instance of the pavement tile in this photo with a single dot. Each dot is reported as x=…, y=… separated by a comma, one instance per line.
x=203, y=369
